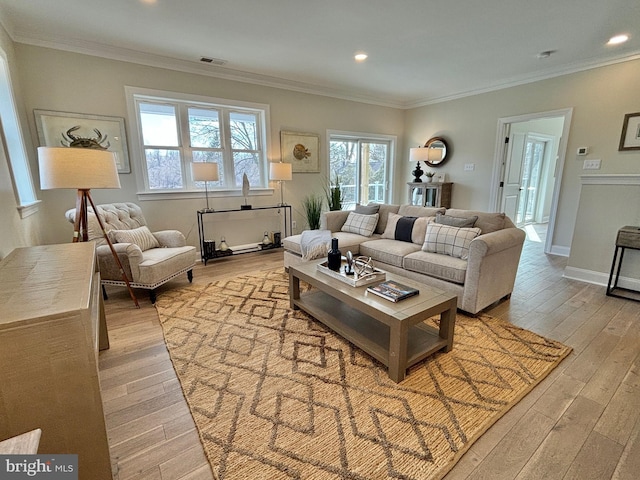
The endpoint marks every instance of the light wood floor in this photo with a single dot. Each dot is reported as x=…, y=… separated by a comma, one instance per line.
x=582, y=422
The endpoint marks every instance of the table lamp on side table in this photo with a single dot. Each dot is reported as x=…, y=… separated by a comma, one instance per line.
x=280, y=172
x=418, y=155
x=205, y=172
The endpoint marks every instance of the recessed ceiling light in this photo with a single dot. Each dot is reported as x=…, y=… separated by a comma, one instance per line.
x=360, y=57
x=618, y=39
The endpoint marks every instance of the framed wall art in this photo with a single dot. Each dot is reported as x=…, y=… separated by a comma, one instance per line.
x=301, y=150
x=630, y=138
x=57, y=129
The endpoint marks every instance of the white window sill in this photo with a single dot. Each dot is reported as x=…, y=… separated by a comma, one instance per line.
x=29, y=209
x=168, y=195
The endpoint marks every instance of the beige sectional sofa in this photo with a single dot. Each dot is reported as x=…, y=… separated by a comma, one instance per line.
x=479, y=270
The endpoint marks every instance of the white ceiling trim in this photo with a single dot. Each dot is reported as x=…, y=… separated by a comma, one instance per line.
x=159, y=61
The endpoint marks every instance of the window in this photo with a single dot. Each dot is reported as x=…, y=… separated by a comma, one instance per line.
x=175, y=130
x=13, y=144
x=363, y=164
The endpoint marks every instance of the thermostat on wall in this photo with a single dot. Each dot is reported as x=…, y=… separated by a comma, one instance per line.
x=583, y=150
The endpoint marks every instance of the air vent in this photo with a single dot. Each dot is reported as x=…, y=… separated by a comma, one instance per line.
x=213, y=61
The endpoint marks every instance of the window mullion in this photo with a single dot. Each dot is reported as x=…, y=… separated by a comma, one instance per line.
x=227, y=153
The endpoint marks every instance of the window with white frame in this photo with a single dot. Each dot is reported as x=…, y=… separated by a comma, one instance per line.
x=13, y=143
x=174, y=130
x=362, y=163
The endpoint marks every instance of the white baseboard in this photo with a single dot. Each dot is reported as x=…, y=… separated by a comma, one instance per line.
x=599, y=278
x=560, y=250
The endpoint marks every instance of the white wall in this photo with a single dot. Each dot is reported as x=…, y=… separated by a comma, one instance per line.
x=600, y=97
x=69, y=82
x=15, y=231
x=64, y=81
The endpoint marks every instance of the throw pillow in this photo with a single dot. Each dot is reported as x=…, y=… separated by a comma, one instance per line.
x=396, y=223
x=361, y=224
x=367, y=209
x=452, y=241
x=140, y=236
x=462, y=222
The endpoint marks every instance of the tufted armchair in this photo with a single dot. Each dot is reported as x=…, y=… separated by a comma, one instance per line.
x=149, y=259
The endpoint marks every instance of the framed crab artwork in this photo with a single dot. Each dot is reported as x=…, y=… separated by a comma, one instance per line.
x=65, y=129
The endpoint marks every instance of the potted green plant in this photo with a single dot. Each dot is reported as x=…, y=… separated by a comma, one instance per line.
x=334, y=195
x=430, y=176
x=312, y=205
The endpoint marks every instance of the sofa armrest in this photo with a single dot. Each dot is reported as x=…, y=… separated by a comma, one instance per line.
x=333, y=220
x=495, y=242
x=170, y=238
x=130, y=256
x=491, y=269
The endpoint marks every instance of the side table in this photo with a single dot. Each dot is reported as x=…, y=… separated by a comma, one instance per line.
x=628, y=237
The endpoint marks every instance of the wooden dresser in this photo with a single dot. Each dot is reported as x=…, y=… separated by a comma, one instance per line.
x=51, y=326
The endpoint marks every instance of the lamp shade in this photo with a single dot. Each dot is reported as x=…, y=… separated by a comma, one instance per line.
x=205, y=171
x=435, y=154
x=280, y=171
x=77, y=168
x=418, y=154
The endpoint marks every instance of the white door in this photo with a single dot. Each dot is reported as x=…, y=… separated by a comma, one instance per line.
x=513, y=175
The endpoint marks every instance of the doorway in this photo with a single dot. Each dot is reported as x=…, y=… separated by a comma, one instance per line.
x=528, y=166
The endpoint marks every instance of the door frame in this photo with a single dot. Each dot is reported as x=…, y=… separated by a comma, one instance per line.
x=500, y=150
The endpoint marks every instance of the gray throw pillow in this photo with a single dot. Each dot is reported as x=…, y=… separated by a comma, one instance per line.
x=367, y=209
x=460, y=222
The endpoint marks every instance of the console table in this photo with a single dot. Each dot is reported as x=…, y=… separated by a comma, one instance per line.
x=430, y=194
x=628, y=237
x=207, y=248
x=52, y=324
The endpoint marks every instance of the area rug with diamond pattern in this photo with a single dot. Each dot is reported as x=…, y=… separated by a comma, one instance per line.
x=276, y=395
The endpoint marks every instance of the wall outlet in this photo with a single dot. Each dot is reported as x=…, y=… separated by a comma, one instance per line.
x=294, y=225
x=591, y=165
x=469, y=167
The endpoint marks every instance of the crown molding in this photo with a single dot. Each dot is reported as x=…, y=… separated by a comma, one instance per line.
x=226, y=73
x=524, y=80
x=170, y=63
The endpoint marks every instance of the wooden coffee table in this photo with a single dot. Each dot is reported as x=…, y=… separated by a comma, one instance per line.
x=393, y=333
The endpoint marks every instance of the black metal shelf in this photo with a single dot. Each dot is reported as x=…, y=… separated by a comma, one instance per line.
x=208, y=249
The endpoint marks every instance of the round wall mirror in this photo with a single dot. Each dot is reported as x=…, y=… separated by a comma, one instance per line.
x=438, y=150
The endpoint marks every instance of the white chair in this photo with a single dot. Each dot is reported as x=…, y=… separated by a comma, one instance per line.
x=149, y=259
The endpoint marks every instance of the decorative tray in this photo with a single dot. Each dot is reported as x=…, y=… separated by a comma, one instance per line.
x=353, y=280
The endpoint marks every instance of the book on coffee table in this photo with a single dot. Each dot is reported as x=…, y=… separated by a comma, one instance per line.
x=393, y=291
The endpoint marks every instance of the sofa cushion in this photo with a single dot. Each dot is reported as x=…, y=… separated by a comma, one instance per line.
x=140, y=236
x=387, y=251
x=418, y=231
x=418, y=211
x=487, y=222
x=367, y=209
x=444, y=267
x=448, y=240
x=360, y=224
x=384, y=211
x=456, y=221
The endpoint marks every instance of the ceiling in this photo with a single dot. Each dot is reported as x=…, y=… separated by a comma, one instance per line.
x=420, y=51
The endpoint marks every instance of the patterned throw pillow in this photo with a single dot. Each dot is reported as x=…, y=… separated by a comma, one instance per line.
x=360, y=224
x=452, y=241
x=140, y=236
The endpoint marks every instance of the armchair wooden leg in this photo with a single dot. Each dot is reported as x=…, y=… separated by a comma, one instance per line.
x=104, y=293
x=152, y=296
x=190, y=275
